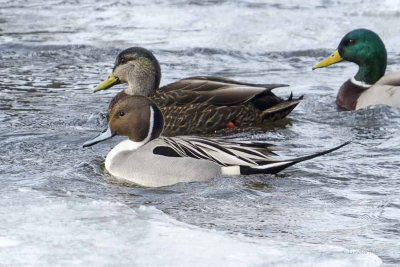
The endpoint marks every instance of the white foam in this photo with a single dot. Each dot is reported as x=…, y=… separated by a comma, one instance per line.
x=65, y=231
x=5, y=242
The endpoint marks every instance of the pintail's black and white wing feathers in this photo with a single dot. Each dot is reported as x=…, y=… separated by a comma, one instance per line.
x=252, y=157
x=220, y=151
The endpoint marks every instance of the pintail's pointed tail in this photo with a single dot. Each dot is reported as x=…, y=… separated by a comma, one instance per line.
x=277, y=166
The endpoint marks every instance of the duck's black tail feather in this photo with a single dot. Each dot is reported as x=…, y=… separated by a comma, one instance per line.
x=280, y=110
x=274, y=167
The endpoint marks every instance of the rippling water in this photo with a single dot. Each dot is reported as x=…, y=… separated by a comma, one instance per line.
x=58, y=207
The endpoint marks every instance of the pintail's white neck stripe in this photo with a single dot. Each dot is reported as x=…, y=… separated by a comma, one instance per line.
x=151, y=126
x=359, y=83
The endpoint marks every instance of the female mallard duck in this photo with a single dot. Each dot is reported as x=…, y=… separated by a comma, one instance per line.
x=369, y=86
x=148, y=159
x=197, y=105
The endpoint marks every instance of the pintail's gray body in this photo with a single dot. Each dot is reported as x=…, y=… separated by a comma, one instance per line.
x=143, y=167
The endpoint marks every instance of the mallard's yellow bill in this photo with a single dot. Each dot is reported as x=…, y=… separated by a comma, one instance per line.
x=332, y=59
x=111, y=81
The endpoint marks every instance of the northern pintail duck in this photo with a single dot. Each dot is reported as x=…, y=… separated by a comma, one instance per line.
x=197, y=105
x=369, y=86
x=148, y=159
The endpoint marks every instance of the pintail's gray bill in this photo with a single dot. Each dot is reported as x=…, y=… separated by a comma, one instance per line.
x=107, y=134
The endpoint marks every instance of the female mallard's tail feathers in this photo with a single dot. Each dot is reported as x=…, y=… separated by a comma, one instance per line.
x=280, y=110
x=290, y=98
x=274, y=167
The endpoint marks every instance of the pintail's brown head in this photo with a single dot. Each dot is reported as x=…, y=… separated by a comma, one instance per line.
x=136, y=117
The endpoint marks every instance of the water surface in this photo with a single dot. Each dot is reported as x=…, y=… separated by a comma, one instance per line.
x=59, y=207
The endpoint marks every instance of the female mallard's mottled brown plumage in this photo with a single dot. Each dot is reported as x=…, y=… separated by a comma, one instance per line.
x=197, y=105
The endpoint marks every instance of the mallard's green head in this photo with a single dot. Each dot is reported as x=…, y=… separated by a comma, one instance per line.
x=139, y=68
x=366, y=49
x=362, y=46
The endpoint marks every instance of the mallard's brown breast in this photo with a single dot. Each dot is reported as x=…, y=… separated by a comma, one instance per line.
x=348, y=95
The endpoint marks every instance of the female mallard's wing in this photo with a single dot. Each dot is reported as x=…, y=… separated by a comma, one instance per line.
x=250, y=157
x=386, y=91
x=213, y=81
x=218, y=91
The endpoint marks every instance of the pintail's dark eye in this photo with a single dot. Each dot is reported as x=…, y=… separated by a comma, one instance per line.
x=121, y=113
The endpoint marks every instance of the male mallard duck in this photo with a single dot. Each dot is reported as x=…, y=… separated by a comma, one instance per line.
x=197, y=105
x=369, y=86
x=148, y=159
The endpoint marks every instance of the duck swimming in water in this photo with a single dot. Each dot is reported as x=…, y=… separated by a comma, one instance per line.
x=369, y=86
x=197, y=105
x=149, y=159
